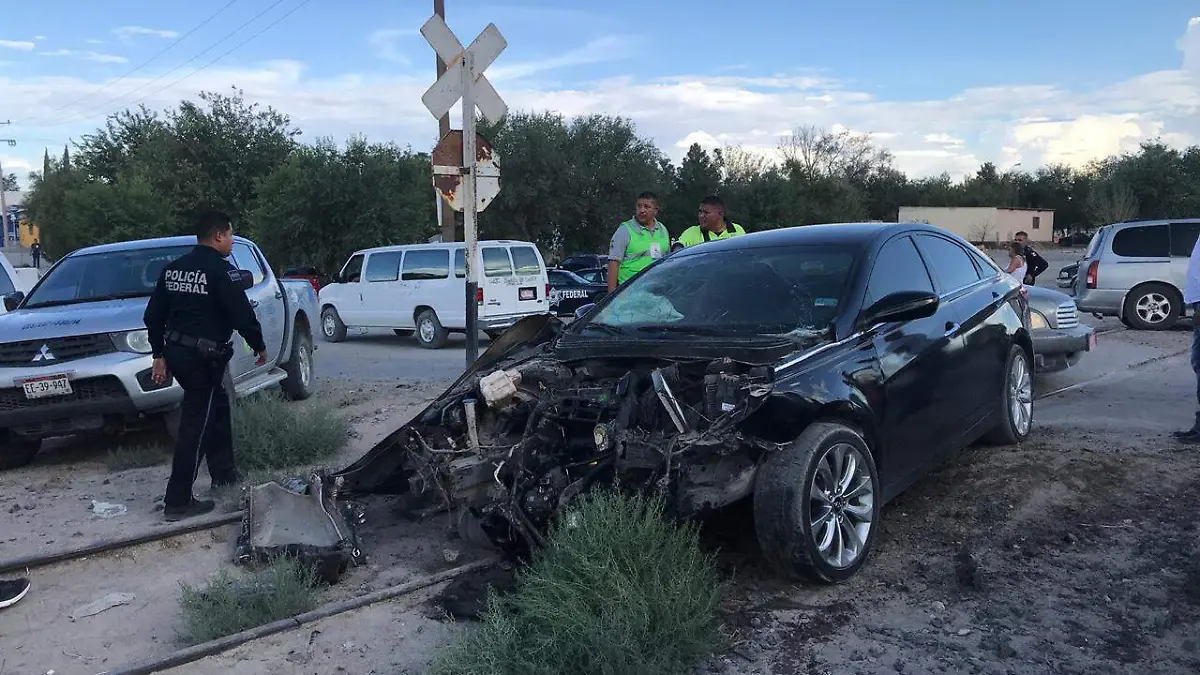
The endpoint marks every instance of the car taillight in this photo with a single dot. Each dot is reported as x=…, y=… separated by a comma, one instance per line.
x=547, y=290
x=479, y=296
x=1093, y=274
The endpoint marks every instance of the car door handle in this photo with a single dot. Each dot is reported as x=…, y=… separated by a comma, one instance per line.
x=278, y=294
x=951, y=328
x=254, y=303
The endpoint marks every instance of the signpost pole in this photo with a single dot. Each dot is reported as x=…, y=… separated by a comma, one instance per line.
x=470, y=207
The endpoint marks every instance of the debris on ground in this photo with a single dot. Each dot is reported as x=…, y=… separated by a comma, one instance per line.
x=107, y=510
x=103, y=604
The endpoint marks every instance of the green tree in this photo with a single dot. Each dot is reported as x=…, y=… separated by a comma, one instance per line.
x=699, y=175
x=10, y=183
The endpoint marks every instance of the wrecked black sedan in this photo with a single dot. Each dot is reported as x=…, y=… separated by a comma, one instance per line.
x=818, y=370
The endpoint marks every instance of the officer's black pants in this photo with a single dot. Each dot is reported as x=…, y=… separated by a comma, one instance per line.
x=204, y=427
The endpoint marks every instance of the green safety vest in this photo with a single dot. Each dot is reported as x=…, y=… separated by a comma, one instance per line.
x=696, y=235
x=638, y=253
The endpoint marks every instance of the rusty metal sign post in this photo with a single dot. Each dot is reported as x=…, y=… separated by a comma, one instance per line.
x=478, y=173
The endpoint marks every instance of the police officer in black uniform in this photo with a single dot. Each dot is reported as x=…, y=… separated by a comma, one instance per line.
x=199, y=301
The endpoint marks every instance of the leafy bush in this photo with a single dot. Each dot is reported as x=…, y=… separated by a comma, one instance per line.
x=270, y=432
x=617, y=590
x=139, y=456
x=228, y=605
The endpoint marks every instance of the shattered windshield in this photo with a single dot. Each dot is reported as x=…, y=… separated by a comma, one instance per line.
x=781, y=290
x=104, y=276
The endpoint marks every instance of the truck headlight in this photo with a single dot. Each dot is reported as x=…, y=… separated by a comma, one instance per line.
x=136, y=341
x=1037, y=319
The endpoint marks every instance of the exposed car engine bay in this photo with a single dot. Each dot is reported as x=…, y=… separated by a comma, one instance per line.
x=512, y=447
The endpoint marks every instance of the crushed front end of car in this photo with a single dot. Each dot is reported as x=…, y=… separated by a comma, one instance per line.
x=532, y=425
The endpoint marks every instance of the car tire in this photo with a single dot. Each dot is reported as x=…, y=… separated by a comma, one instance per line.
x=403, y=332
x=1153, y=306
x=1016, y=400
x=803, y=480
x=18, y=452
x=298, y=385
x=331, y=325
x=430, y=332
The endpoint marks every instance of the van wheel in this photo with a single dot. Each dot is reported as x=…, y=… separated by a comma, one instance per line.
x=331, y=325
x=298, y=385
x=18, y=452
x=817, y=503
x=1153, y=307
x=430, y=333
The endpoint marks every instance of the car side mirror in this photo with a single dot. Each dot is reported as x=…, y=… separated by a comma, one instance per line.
x=244, y=279
x=901, y=306
x=12, y=300
x=583, y=309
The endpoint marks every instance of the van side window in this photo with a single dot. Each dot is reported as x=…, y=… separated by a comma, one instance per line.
x=352, y=273
x=526, y=261
x=244, y=255
x=6, y=283
x=496, y=262
x=460, y=264
x=384, y=266
x=426, y=265
x=1146, y=241
x=1183, y=239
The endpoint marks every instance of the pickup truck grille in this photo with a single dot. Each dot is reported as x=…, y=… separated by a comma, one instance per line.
x=22, y=354
x=1067, y=315
x=104, y=388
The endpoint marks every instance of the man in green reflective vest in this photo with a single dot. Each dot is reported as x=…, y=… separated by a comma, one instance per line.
x=712, y=224
x=637, y=242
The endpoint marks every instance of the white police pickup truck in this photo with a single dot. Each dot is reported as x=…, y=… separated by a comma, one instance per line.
x=75, y=358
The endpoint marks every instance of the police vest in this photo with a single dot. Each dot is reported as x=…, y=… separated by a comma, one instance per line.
x=696, y=234
x=640, y=251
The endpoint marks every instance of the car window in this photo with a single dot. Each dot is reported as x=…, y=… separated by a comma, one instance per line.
x=352, y=272
x=496, y=262
x=426, y=265
x=104, y=276
x=525, y=260
x=384, y=266
x=6, y=283
x=776, y=290
x=558, y=278
x=897, y=268
x=1146, y=241
x=1183, y=238
x=460, y=264
x=1094, y=244
x=244, y=258
x=950, y=263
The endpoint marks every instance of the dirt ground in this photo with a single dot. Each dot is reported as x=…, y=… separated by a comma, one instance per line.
x=1076, y=553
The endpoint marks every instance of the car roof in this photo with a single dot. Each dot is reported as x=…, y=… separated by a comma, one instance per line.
x=440, y=245
x=861, y=234
x=141, y=244
x=1158, y=221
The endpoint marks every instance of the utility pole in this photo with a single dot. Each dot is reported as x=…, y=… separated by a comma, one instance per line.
x=445, y=216
x=3, y=190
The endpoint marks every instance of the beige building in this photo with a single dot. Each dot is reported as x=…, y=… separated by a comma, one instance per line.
x=979, y=224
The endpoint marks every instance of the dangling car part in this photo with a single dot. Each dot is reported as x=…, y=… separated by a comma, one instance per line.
x=820, y=370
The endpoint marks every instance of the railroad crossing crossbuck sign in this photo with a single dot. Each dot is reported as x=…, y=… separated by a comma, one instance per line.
x=449, y=87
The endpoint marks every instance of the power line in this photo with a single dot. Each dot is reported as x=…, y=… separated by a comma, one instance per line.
x=256, y=17
x=148, y=61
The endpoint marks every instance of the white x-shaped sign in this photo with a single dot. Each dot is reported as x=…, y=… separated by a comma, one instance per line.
x=448, y=89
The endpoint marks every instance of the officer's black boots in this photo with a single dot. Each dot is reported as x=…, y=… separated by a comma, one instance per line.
x=197, y=507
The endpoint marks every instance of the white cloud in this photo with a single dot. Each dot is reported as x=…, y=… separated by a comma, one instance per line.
x=19, y=45
x=39, y=38
x=86, y=56
x=597, y=51
x=1031, y=123
x=127, y=32
x=385, y=45
x=94, y=41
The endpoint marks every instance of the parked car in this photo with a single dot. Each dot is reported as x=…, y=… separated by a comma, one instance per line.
x=410, y=288
x=594, y=275
x=583, y=261
x=75, y=356
x=310, y=274
x=1059, y=340
x=1136, y=271
x=821, y=373
x=1066, y=275
x=568, y=291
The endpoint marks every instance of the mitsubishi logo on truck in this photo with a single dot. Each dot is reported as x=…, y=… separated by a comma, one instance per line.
x=44, y=354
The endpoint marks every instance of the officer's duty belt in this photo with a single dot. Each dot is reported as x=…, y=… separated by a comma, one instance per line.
x=202, y=345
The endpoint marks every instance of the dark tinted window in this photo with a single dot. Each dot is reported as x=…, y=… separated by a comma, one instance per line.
x=1183, y=238
x=1147, y=241
x=950, y=263
x=558, y=278
x=460, y=263
x=526, y=261
x=496, y=262
x=898, y=268
x=244, y=258
x=352, y=273
x=384, y=266
x=426, y=265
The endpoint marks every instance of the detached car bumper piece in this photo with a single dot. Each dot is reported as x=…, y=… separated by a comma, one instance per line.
x=1059, y=349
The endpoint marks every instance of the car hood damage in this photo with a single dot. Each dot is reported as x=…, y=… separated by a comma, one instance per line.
x=541, y=417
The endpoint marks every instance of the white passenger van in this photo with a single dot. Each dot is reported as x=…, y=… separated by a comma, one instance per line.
x=411, y=289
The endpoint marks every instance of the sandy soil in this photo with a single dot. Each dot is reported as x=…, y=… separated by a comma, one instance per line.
x=1078, y=552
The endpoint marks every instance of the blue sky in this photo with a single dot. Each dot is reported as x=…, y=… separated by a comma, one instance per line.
x=944, y=84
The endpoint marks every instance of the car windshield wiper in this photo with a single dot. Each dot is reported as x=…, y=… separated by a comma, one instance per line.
x=675, y=328
x=604, y=328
